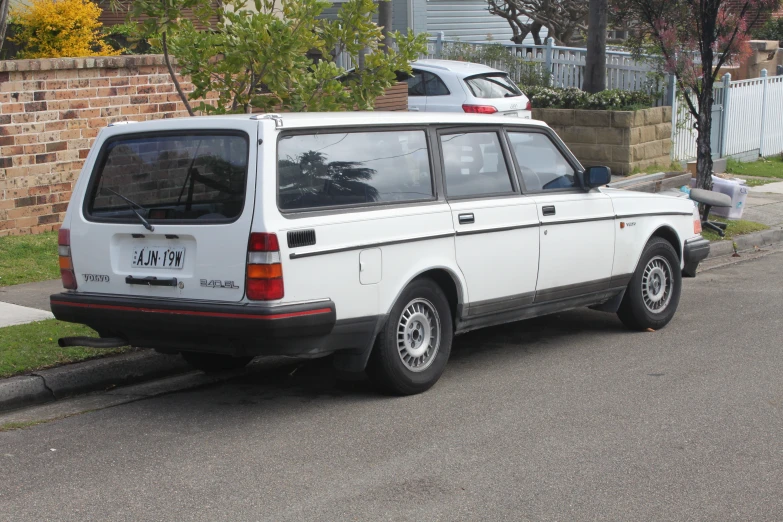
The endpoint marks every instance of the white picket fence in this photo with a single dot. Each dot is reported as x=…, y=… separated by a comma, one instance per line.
x=747, y=120
x=565, y=64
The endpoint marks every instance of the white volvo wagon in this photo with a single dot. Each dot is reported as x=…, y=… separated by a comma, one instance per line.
x=373, y=236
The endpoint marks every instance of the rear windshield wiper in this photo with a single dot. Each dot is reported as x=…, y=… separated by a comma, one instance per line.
x=133, y=204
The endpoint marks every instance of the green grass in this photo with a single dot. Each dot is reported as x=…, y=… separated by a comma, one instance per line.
x=25, y=259
x=754, y=182
x=735, y=228
x=33, y=346
x=771, y=167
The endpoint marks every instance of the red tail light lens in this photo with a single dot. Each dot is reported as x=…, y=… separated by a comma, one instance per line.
x=529, y=106
x=479, y=109
x=67, y=274
x=264, y=268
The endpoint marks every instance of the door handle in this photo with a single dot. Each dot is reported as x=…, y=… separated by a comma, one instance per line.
x=548, y=210
x=413, y=109
x=151, y=281
x=466, y=219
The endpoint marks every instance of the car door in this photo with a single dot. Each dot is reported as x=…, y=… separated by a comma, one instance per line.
x=444, y=94
x=417, y=97
x=577, y=226
x=496, y=239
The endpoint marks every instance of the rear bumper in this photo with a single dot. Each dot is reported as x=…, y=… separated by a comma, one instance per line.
x=235, y=329
x=694, y=252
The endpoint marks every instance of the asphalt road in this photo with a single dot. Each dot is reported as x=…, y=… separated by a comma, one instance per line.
x=568, y=417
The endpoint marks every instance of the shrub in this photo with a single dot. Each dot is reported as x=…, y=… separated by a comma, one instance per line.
x=572, y=98
x=771, y=30
x=57, y=28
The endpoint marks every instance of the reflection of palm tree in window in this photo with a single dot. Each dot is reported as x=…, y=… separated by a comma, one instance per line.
x=311, y=174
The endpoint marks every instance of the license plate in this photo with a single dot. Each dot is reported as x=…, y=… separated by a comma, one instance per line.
x=158, y=257
x=514, y=114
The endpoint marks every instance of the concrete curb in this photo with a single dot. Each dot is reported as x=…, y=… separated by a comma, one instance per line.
x=755, y=239
x=99, y=374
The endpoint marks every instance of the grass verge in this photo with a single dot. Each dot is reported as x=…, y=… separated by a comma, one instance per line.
x=735, y=228
x=755, y=182
x=771, y=167
x=28, y=347
x=26, y=259
x=653, y=169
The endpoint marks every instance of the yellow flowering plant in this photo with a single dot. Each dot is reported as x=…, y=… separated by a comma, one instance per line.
x=59, y=28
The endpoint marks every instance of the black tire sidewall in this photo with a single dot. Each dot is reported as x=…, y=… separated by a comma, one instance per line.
x=386, y=367
x=632, y=311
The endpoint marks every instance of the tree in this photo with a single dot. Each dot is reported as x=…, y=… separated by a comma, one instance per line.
x=3, y=20
x=258, y=58
x=694, y=39
x=385, y=17
x=562, y=18
x=595, y=61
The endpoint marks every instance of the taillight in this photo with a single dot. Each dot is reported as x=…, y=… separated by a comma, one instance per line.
x=66, y=263
x=529, y=106
x=479, y=109
x=264, y=269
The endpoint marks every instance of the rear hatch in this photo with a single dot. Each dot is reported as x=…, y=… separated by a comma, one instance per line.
x=194, y=187
x=499, y=91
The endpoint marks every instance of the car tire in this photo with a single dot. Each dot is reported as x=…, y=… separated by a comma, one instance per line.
x=215, y=362
x=653, y=293
x=412, y=349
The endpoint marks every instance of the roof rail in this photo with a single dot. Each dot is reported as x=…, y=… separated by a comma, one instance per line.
x=272, y=116
x=115, y=123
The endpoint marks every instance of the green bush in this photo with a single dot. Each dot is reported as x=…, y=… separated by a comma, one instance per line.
x=771, y=30
x=573, y=98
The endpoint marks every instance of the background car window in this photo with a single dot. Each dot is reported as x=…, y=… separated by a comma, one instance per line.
x=474, y=164
x=540, y=163
x=349, y=168
x=434, y=85
x=416, y=84
x=492, y=86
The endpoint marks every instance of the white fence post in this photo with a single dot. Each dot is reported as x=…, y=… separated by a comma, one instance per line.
x=550, y=43
x=724, y=121
x=765, y=82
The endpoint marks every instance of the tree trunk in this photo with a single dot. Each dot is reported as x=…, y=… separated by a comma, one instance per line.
x=173, y=75
x=535, y=30
x=703, y=145
x=385, y=17
x=3, y=20
x=595, y=62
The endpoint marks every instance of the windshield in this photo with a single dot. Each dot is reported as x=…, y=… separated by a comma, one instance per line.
x=171, y=177
x=492, y=86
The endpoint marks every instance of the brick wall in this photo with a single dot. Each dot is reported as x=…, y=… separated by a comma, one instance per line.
x=52, y=109
x=621, y=140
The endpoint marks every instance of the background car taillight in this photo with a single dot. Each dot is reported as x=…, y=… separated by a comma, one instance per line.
x=479, y=109
x=66, y=263
x=264, y=270
x=529, y=106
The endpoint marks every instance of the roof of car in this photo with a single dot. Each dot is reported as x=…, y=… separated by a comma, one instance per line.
x=464, y=68
x=300, y=120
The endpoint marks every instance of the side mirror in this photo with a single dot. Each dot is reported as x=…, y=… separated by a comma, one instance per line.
x=596, y=177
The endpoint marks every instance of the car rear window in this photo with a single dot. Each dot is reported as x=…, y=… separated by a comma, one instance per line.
x=352, y=168
x=492, y=86
x=199, y=177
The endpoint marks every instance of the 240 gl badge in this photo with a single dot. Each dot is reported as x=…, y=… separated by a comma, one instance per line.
x=217, y=283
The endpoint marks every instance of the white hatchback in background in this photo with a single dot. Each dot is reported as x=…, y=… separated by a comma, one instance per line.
x=451, y=86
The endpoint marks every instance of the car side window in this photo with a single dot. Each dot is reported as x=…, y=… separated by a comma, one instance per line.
x=332, y=168
x=434, y=85
x=541, y=164
x=473, y=164
x=416, y=83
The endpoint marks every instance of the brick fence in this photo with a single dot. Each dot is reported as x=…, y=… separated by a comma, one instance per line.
x=51, y=111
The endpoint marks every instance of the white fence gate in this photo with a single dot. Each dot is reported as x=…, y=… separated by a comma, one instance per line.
x=747, y=120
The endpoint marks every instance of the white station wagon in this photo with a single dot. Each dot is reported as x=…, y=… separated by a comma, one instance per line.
x=375, y=237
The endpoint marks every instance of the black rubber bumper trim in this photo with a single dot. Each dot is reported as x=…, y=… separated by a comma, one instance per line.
x=695, y=251
x=126, y=315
